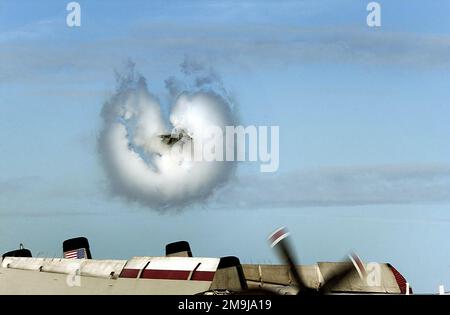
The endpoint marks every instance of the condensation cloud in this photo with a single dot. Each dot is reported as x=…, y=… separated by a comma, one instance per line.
x=140, y=166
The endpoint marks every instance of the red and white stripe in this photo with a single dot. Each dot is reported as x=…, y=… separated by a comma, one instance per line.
x=278, y=236
x=71, y=254
x=171, y=268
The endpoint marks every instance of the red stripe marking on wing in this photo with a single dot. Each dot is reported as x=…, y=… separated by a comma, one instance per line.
x=129, y=273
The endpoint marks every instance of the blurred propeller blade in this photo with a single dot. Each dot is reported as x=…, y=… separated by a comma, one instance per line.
x=337, y=276
x=279, y=239
x=334, y=277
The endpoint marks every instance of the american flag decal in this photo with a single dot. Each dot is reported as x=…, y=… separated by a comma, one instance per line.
x=75, y=254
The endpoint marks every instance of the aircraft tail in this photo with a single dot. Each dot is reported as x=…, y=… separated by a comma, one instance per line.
x=178, y=249
x=77, y=248
x=21, y=252
x=229, y=275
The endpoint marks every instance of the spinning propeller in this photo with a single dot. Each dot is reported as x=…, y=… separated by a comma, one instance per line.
x=279, y=240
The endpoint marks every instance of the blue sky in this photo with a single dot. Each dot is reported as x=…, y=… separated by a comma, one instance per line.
x=363, y=114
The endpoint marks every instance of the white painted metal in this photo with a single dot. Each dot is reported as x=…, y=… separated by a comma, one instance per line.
x=82, y=276
x=183, y=263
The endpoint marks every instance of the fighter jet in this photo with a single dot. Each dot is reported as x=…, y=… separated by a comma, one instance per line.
x=171, y=139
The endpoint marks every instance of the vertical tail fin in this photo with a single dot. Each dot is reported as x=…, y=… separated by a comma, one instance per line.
x=178, y=249
x=229, y=275
x=21, y=252
x=76, y=248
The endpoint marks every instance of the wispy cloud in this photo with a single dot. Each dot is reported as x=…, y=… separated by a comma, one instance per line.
x=346, y=186
x=291, y=44
x=243, y=45
x=31, y=31
x=40, y=196
x=321, y=187
x=18, y=184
